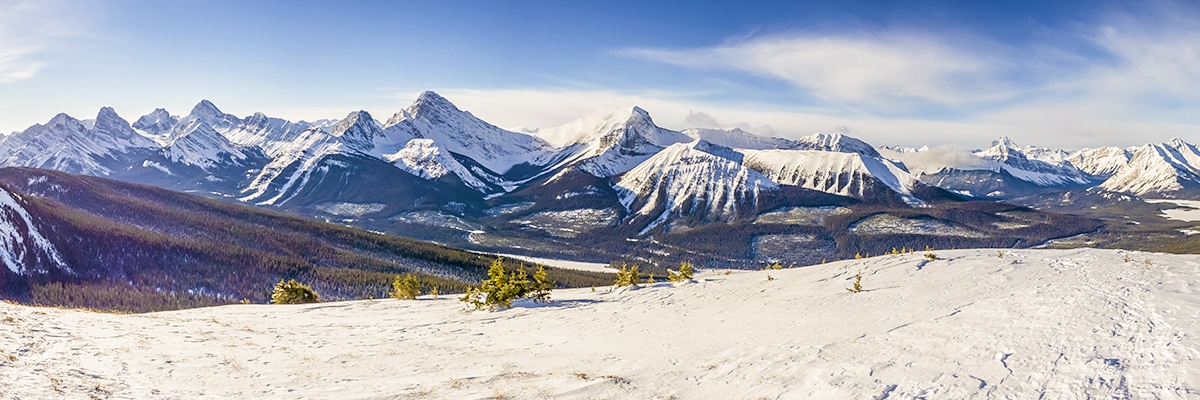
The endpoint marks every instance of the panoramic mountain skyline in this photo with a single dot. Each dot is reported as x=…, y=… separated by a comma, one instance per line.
x=1066, y=75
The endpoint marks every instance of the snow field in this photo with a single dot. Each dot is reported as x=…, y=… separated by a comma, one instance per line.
x=1059, y=324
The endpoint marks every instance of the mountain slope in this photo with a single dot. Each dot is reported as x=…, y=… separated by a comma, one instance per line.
x=699, y=179
x=134, y=247
x=844, y=174
x=1169, y=169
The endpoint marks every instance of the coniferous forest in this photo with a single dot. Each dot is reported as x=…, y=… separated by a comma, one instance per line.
x=136, y=248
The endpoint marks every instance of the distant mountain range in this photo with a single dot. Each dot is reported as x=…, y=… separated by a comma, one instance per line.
x=433, y=171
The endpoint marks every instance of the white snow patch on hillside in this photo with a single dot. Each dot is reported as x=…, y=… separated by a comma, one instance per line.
x=1032, y=324
x=1189, y=210
x=14, y=245
x=575, y=265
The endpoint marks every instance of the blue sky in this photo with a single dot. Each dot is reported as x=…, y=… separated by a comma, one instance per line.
x=1060, y=73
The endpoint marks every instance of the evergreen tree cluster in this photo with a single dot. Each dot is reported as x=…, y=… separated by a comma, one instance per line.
x=502, y=287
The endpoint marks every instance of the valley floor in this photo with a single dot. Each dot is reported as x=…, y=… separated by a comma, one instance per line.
x=1057, y=324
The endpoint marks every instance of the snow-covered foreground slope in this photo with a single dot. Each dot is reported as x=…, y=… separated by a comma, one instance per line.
x=1035, y=323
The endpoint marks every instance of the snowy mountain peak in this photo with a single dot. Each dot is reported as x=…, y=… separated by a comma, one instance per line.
x=836, y=142
x=62, y=121
x=431, y=116
x=205, y=110
x=157, y=122
x=358, y=129
x=110, y=124
x=1005, y=141
x=108, y=115
x=430, y=102
x=696, y=178
x=1158, y=169
x=1101, y=161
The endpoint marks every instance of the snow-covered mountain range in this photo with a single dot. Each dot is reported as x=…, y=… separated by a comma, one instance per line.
x=434, y=157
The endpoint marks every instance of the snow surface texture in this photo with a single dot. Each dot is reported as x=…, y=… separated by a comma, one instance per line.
x=1055, y=324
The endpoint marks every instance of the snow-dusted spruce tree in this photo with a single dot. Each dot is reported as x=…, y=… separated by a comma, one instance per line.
x=292, y=292
x=684, y=274
x=406, y=287
x=627, y=277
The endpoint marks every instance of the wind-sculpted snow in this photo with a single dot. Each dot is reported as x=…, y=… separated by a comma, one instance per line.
x=1019, y=324
x=22, y=245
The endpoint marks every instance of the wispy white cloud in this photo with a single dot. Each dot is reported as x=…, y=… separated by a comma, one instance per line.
x=28, y=28
x=893, y=71
x=1130, y=71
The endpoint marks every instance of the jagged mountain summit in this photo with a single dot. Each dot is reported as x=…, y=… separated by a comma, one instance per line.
x=65, y=144
x=1169, y=170
x=611, y=143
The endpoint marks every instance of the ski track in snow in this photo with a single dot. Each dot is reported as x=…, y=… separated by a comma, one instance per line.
x=1055, y=324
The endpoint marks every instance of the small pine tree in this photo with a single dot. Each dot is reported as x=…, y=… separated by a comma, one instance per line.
x=858, y=256
x=1127, y=258
x=930, y=254
x=542, y=285
x=770, y=278
x=650, y=279
x=406, y=287
x=684, y=274
x=292, y=292
x=474, y=297
x=627, y=277
x=1000, y=253
x=433, y=292
x=857, y=284
x=776, y=265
